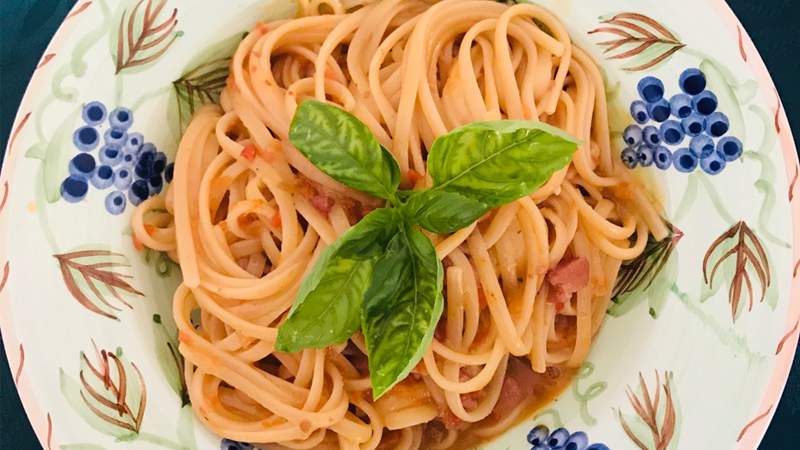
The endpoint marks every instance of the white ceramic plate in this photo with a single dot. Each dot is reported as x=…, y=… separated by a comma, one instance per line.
x=714, y=359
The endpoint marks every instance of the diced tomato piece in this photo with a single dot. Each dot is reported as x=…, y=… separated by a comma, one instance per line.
x=569, y=276
x=262, y=28
x=322, y=203
x=137, y=244
x=275, y=220
x=184, y=336
x=471, y=400
x=571, y=273
x=518, y=385
x=451, y=422
x=249, y=152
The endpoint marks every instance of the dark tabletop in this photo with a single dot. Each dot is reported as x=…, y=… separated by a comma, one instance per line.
x=27, y=25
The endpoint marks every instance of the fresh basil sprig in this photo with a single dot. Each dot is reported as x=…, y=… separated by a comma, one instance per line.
x=327, y=309
x=484, y=165
x=383, y=276
x=401, y=307
x=343, y=147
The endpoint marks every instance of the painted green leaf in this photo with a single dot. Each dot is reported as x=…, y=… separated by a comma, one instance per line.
x=37, y=151
x=646, y=277
x=96, y=280
x=401, y=308
x=344, y=148
x=655, y=421
x=327, y=308
x=203, y=80
x=728, y=102
x=55, y=156
x=161, y=263
x=169, y=359
x=113, y=390
x=145, y=31
x=641, y=41
x=745, y=268
x=71, y=390
x=82, y=446
x=109, y=395
x=185, y=431
x=497, y=162
x=585, y=395
x=442, y=211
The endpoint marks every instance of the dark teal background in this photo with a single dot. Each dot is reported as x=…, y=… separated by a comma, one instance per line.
x=27, y=25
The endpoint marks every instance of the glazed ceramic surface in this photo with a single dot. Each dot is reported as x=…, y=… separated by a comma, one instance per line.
x=695, y=348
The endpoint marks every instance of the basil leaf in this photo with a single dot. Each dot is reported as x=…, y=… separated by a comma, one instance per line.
x=499, y=161
x=401, y=308
x=344, y=148
x=327, y=309
x=442, y=211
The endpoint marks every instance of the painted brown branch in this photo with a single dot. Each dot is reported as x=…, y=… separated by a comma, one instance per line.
x=636, y=50
x=646, y=406
x=45, y=59
x=158, y=37
x=741, y=43
x=753, y=422
x=18, y=374
x=612, y=30
x=93, y=287
x=5, y=196
x=750, y=256
x=97, y=396
x=777, y=111
x=649, y=21
x=6, y=269
x=94, y=274
x=100, y=414
x=116, y=398
x=655, y=61
x=786, y=336
x=791, y=185
x=613, y=45
x=627, y=26
x=631, y=435
x=632, y=26
x=16, y=132
x=49, y=440
x=79, y=9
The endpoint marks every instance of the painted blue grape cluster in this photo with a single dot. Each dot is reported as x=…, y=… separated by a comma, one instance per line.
x=228, y=444
x=133, y=169
x=541, y=438
x=686, y=131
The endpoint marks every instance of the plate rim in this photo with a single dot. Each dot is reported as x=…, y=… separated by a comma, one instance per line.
x=751, y=434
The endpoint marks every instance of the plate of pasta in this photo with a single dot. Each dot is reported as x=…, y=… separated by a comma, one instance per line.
x=400, y=224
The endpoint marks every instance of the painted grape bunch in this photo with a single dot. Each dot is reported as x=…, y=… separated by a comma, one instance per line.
x=686, y=131
x=124, y=162
x=541, y=438
x=228, y=444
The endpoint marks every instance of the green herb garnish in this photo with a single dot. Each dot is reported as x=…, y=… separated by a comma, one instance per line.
x=383, y=276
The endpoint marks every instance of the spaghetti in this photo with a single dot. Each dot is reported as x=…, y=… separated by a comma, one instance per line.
x=246, y=216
